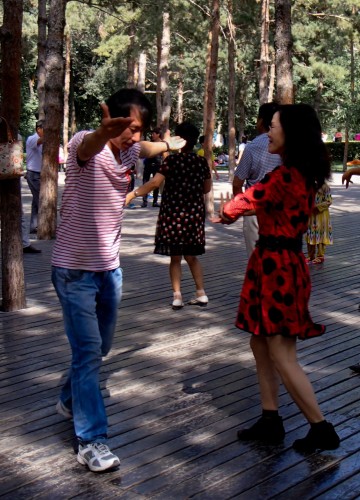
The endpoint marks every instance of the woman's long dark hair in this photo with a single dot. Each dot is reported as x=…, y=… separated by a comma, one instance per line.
x=304, y=148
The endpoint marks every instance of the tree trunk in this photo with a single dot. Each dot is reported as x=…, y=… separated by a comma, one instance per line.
x=13, y=280
x=352, y=95
x=41, y=71
x=272, y=81
x=67, y=92
x=207, y=66
x=164, y=73
x=211, y=95
x=31, y=88
x=240, y=99
x=180, y=99
x=73, y=125
x=158, y=81
x=142, y=72
x=231, y=110
x=319, y=89
x=283, y=44
x=54, y=100
x=264, y=53
x=346, y=147
x=130, y=59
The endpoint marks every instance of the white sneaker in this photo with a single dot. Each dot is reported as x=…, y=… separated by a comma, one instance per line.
x=97, y=457
x=63, y=410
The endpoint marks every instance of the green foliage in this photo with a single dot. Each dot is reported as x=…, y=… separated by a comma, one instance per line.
x=106, y=33
x=336, y=151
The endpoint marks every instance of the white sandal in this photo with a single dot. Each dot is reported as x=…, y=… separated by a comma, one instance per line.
x=177, y=302
x=201, y=301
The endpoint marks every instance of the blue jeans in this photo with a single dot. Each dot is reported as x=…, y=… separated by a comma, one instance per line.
x=89, y=301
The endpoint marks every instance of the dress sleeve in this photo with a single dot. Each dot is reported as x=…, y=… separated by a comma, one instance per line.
x=207, y=173
x=269, y=191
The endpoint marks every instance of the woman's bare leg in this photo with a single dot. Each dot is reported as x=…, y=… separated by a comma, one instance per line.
x=268, y=376
x=197, y=273
x=175, y=274
x=282, y=351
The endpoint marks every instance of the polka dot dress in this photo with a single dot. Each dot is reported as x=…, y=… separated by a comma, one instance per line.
x=276, y=290
x=180, y=228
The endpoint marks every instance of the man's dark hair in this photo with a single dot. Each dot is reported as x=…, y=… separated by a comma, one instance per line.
x=39, y=124
x=189, y=132
x=266, y=112
x=202, y=139
x=121, y=103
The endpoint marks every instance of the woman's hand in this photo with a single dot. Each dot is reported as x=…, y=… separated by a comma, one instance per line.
x=129, y=198
x=221, y=218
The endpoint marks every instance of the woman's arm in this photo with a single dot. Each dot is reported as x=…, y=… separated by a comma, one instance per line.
x=347, y=175
x=152, y=184
x=207, y=186
x=231, y=210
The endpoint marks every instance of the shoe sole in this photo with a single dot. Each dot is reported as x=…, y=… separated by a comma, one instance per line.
x=313, y=449
x=93, y=468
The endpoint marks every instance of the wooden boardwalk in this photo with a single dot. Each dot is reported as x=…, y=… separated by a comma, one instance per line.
x=178, y=384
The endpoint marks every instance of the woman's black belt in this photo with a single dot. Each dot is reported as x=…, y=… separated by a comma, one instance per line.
x=274, y=243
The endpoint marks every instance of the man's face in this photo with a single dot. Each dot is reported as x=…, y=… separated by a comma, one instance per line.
x=40, y=131
x=131, y=134
x=155, y=136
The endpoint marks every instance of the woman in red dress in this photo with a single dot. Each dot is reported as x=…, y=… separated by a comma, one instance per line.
x=276, y=290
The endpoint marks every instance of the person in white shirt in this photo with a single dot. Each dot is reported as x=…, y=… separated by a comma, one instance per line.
x=255, y=162
x=34, y=146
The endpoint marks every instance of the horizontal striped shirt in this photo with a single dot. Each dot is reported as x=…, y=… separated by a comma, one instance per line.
x=256, y=161
x=88, y=236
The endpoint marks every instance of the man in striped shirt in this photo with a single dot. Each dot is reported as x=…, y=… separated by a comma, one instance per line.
x=86, y=269
x=255, y=162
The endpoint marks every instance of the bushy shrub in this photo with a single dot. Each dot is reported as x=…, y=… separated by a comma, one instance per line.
x=336, y=151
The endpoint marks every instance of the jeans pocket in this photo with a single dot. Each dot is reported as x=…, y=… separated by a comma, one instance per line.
x=73, y=275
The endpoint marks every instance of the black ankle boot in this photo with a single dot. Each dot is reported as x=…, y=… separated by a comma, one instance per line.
x=268, y=430
x=321, y=436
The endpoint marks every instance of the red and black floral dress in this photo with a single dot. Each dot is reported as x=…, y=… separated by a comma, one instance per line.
x=276, y=290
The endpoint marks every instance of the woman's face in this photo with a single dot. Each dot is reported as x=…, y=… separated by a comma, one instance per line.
x=276, y=136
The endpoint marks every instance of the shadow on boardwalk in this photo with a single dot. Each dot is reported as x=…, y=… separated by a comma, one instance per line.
x=178, y=384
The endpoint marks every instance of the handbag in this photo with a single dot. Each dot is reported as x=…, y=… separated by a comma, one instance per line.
x=11, y=156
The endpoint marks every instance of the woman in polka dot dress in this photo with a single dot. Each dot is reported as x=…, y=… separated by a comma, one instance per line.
x=276, y=290
x=180, y=229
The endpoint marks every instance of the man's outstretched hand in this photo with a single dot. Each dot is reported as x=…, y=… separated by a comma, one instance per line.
x=175, y=142
x=113, y=127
